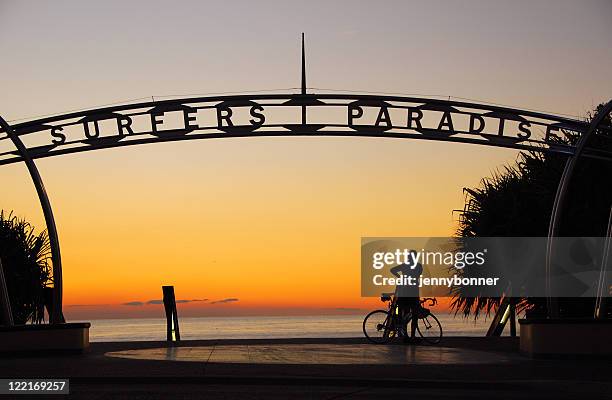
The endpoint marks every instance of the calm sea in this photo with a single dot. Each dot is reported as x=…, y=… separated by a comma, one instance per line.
x=328, y=326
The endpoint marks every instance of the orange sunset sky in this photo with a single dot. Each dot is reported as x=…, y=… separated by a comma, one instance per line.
x=272, y=223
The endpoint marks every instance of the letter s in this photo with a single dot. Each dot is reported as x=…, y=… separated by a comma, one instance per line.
x=258, y=118
x=480, y=257
x=56, y=132
x=525, y=131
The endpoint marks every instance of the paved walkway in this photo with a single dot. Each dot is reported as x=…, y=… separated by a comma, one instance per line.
x=330, y=354
x=479, y=368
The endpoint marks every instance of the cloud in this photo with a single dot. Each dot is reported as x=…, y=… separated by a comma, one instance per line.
x=133, y=303
x=158, y=301
x=177, y=301
x=228, y=300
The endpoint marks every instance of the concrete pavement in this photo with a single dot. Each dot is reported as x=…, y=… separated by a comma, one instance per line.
x=322, y=368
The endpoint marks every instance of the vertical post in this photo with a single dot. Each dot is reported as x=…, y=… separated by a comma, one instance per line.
x=5, y=302
x=555, y=217
x=48, y=300
x=303, y=66
x=512, y=317
x=303, y=86
x=600, y=299
x=173, y=333
x=56, y=259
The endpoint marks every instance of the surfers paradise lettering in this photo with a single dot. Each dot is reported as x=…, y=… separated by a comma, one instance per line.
x=358, y=118
x=293, y=114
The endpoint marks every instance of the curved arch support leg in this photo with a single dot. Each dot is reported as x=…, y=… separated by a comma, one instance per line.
x=56, y=314
x=555, y=217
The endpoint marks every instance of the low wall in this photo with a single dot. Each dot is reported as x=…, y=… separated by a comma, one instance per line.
x=56, y=337
x=558, y=337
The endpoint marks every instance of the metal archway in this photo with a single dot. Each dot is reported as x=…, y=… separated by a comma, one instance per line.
x=288, y=115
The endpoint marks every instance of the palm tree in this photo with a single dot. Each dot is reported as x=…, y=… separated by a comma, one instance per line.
x=517, y=201
x=25, y=259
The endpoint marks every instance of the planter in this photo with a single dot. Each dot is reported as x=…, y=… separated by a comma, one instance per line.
x=566, y=337
x=73, y=337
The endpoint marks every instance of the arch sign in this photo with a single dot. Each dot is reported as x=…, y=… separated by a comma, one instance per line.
x=293, y=114
x=290, y=115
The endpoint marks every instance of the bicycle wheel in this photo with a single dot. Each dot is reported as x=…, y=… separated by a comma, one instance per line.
x=377, y=327
x=430, y=329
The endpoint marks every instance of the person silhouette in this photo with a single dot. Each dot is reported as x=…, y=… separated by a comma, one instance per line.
x=408, y=295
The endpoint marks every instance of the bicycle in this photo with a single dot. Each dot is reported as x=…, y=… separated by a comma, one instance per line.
x=382, y=326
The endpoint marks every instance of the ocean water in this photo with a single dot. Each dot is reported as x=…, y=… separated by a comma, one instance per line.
x=259, y=327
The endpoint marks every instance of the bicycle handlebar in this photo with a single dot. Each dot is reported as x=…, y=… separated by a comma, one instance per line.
x=432, y=301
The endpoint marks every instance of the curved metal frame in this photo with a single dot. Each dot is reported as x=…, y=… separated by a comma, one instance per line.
x=560, y=196
x=303, y=101
x=56, y=259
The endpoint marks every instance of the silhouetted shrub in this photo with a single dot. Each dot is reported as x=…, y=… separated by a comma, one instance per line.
x=25, y=259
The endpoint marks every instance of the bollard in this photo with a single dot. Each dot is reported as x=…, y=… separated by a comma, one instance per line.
x=173, y=333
